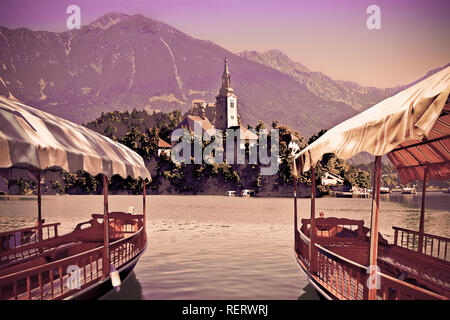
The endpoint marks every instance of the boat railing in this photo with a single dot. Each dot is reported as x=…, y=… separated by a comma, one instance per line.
x=432, y=245
x=348, y=280
x=66, y=277
x=21, y=243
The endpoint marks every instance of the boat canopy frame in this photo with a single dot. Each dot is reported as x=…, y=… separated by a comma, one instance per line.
x=50, y=142
x=424, y=112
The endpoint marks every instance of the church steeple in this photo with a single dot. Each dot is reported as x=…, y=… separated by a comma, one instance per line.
x=226, y=73
x=226, y=103
x=226, y=80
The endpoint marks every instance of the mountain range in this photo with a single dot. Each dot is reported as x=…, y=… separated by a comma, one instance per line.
x=122, y=62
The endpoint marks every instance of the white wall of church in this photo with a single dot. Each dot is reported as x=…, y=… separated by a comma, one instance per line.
x=232, y=112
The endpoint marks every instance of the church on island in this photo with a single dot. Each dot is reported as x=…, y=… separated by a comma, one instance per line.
x=221, y=115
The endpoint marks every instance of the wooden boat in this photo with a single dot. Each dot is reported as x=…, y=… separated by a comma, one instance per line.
x=40, y=263
x=342, y=258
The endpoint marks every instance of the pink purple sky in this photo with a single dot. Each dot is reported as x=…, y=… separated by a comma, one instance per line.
x=324, y=35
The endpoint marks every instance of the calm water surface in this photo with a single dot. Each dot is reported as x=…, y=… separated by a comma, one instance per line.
x=214, y=247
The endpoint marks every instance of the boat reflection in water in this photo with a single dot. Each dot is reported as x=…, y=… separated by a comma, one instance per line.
x=131, y=289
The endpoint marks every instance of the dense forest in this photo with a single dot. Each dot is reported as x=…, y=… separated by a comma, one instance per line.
x=141, y=132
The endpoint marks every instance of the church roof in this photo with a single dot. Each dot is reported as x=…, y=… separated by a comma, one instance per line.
x=247, y=134
x=192, y=121
x=163, y=144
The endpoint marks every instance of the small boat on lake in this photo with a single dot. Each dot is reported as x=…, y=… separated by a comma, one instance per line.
x=342, y=258
x=360, y=192
x=409, y=190
x=385, y=190
x=248, y=193
x=343, y=194
x=40, y=263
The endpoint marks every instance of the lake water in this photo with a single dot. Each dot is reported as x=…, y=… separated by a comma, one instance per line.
x=214, y=247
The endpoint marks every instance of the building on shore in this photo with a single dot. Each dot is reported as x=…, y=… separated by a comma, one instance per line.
x=164, y=148
x=331, y=179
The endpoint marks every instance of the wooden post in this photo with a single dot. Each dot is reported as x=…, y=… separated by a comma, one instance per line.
x=422, y=210
x=295, y=211
x=312, y=247
x=105, y=258
x=144, y=220
x=373, y=254
x=39, y=199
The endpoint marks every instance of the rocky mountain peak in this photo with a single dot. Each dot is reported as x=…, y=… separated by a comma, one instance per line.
x=108, y=20
x=275, y=59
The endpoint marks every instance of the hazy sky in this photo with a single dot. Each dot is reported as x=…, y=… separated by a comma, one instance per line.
x=324, y=35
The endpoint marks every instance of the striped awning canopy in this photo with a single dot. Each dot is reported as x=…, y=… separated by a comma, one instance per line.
x=36, y=139
x=412, y=128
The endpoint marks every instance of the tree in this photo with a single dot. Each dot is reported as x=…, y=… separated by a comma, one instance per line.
x=260, y=126
x=316, y=136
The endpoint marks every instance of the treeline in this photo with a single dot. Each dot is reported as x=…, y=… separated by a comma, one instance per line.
x=141, y=131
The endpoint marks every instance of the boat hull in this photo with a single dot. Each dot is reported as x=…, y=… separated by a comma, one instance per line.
x=323, y=293
x=341, y=194
x=104, y=286
x=340, y=272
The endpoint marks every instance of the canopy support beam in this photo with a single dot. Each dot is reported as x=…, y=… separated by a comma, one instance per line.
x=144, y=220
x=312, y=247
x=422, y=210
x=105, y=258
x=426, y=165
x=39, y=200
x=295, y=211
x=426, y=141
x=373, y=254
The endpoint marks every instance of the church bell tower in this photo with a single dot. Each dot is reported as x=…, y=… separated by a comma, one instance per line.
x=226, y=103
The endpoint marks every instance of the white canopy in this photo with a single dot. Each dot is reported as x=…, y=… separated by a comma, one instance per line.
x=404, y=122
x=33, y=138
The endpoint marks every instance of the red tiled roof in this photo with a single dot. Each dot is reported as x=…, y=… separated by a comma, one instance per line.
x=191, y=121
x=247, y=134
x=163, y=144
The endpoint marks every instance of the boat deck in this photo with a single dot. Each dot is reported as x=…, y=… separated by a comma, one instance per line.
x=341, y=257
x=426, y=272
x=61, y=285
x=61, y=266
